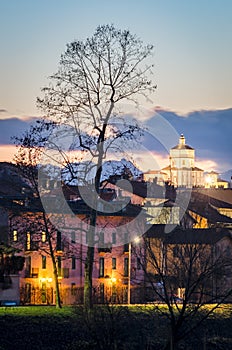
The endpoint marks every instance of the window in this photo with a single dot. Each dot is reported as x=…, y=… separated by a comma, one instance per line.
x=114, y=263
x=126, y=267
x=15, y=235
x=73, y=288
x=28, y=242
x=113, y=237
x=101, y=267
x=44, y=261
x=101, y=238
x=73, y=263
x=43, y=236
x=28, y=266
x=73, y=237
x=138, y=264
x=58, y=241
x=65, y=272
x=126, y=244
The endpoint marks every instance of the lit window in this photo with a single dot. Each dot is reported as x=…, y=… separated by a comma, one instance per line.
x=15, y=235
x=28, y=244
x=43, y=237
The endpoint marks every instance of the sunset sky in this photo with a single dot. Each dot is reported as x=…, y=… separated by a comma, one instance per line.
x=192, y=56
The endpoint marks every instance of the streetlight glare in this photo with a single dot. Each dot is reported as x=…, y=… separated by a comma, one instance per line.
x=137, y=239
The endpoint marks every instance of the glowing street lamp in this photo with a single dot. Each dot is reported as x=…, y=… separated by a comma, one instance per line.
x=113, y=280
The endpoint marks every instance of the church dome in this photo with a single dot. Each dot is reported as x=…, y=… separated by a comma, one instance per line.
x=181, y=144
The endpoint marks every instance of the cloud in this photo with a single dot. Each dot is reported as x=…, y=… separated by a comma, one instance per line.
x=12, y=127
x=150, y=160
x=208, y=132
x=2, y=110
x=7, y=153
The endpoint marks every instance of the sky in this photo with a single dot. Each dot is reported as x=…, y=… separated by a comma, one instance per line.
x=192, y=51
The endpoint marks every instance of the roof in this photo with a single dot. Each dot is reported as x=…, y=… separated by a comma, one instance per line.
x=167, y=168
x=219, y=198
x=155, y=172
x=182, y=147
x=78, y=207
x=142, y=189
x=206, y=207
x=197, y=169
x=188, y=236
x=12, y=182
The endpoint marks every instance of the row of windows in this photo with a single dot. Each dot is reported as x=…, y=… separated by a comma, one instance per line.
x=114, y=266
x=28, y=238
x=44, y=262
x=73, y=265
x=59, y=243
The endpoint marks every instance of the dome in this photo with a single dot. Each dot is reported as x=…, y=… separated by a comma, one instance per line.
x=181, y=144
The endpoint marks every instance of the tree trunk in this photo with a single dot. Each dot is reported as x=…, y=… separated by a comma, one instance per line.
x=88, y=297
x=88, y=282
x=55, y=274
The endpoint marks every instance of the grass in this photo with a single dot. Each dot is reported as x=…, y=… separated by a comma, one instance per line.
x=135, y=327
x=27, y=311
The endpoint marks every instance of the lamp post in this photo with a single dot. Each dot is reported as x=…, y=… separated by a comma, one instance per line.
x=136, y=240
x=129, y=275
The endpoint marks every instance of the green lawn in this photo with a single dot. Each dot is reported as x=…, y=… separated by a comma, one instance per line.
x=117, y=327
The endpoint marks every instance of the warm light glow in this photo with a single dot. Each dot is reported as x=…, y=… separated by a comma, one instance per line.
x=43, y=236
x=113, y=279
x=15, y=235
x=46, y=279
x=208, y=180
x=7, y=153
x=28, y=241
x=137, y=239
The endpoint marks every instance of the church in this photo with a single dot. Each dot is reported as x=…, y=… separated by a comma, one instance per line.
x=181, y=171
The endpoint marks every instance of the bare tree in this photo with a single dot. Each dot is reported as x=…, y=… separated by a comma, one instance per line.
x=189, y=276
x=33, y=218
x=94, y=77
